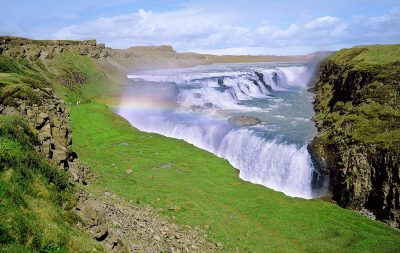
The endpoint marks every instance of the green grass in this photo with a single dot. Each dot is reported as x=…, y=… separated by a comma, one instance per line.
x=208, y=190
x=32, y=192
x=21, y=79
x=100, y=80
x=372, y=114
x=367, y=55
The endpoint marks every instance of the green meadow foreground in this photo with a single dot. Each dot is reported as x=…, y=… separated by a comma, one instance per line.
x=210, y=194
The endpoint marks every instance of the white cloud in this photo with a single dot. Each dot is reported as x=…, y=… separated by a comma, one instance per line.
x=191, y=29
x=146, y=26
x=322, y=22
x=380, y=29
x=275, y=33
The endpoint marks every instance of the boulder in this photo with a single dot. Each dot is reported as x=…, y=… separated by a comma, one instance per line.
x=244, y=120
x=93, y=218
x=59, y=155
x=79, y=171
x=117, y=245
x=8, y=110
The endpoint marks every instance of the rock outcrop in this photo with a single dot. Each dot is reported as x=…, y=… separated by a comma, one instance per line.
x=358, y=118
x=50, y=119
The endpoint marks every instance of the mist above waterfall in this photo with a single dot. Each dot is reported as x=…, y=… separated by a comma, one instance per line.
x=194, y=104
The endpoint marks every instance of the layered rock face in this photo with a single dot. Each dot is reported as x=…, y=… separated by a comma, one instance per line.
x=15, y=47
x=358, y=120
x=50, y=119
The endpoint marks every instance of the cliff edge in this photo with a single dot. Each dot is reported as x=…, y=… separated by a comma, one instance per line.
x=358, y=119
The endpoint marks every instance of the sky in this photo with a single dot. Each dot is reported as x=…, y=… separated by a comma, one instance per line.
x=280, y=27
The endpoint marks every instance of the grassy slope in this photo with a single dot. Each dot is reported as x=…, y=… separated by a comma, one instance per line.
x=210, y=193
x=376, y=54
x=31, y=193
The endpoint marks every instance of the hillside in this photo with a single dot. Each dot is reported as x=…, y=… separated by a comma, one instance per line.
x=358, y=118
x=143, y=192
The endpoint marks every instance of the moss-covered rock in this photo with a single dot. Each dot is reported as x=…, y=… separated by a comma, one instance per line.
x=358, y=119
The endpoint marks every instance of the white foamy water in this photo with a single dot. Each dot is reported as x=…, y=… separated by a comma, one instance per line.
x=194, y=104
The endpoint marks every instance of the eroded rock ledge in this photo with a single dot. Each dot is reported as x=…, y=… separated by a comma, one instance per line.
x=16, y=47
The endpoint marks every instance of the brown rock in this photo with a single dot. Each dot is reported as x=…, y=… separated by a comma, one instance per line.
x=79, y=171
x=244, y=120
x=10, y=111
x=94, y=218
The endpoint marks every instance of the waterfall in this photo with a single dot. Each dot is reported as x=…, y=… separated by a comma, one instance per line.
x=194, y=105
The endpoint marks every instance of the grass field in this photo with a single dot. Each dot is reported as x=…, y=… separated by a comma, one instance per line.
x=210, y=194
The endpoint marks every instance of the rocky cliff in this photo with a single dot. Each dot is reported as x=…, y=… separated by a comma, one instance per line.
x=358, y=119
x=27, y=90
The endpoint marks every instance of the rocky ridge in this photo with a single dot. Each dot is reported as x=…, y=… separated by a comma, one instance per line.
x=32, y=50
x=50, y=119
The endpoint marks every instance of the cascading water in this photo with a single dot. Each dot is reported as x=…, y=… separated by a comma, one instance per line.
x=195, y=104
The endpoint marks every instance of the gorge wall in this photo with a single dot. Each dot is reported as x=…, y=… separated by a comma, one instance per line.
x=358, y=119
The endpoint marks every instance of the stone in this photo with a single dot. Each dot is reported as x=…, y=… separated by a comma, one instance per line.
x=104, y=53
x=174, y=208
x=45, y=133
x=8, y=110
x=41, y=120
x=244, y=120
x=166, y=166
x=79, y=171
x=59, y=155
x=59, y=134
x=93, y=217
x=367, y=213
x=129, y=171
